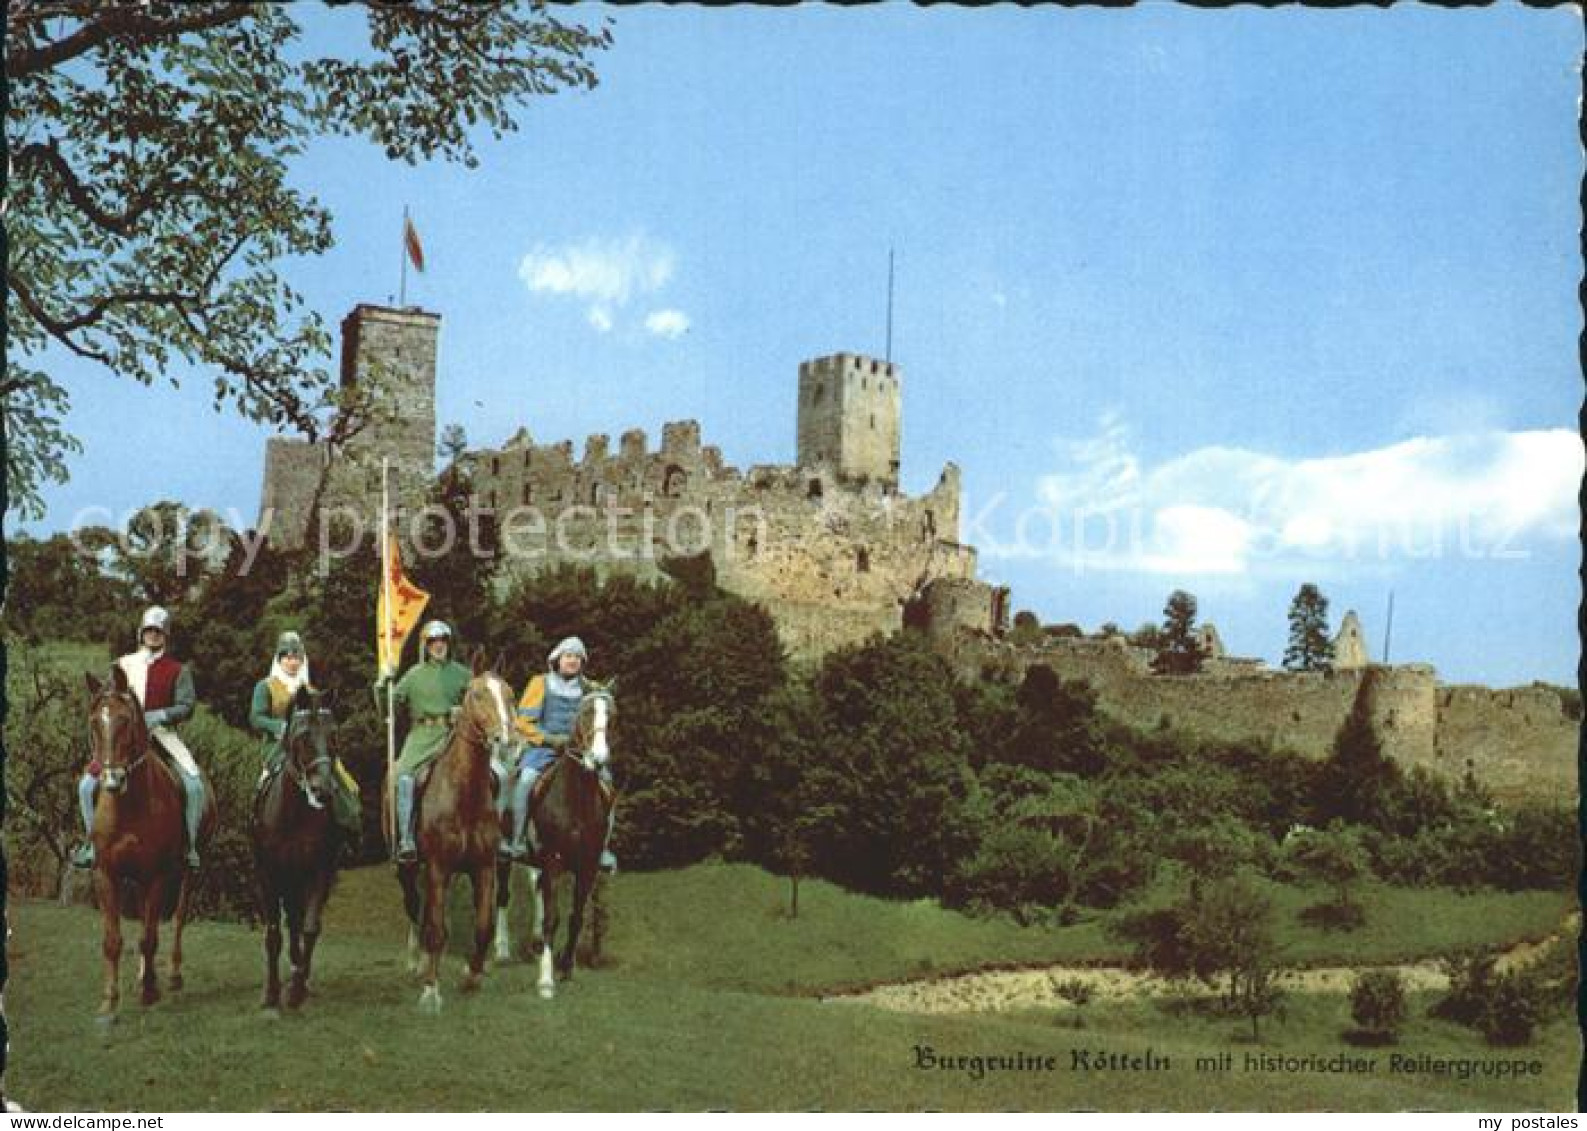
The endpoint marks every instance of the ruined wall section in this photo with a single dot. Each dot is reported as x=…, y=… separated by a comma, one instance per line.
x=834, y=560
x=1518, y=741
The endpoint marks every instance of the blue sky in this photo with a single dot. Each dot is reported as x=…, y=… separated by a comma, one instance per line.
x=1275, y=287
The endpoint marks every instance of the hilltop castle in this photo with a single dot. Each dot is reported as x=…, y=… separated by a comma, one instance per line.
x=833, y=550
x=828, y=544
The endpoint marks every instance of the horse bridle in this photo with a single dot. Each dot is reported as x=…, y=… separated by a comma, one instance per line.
x=114, y=784
x=299, y=775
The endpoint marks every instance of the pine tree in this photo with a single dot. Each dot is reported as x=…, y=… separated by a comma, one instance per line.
x=1310, y=649
x=1177, y=650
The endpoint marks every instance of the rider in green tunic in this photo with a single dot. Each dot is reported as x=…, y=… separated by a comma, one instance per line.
x=432, y=690
x=272, y=698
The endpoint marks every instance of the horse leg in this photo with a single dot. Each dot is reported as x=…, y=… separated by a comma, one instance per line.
x=178, y=922
x=548, y=914
x=484, y=880
x=153, y=898
x=313, y=910
x=434, y=935
x=503, y=905
x=270, y=912
x=537, y=911
x=294, y=904
x=110, y=911
x=581, y=895
x=407, y=876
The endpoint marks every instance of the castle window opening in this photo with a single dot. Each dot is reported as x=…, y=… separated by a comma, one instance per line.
x=595, y=494
x=528, y=493
x=526, y=456
x=495, y=465
x=862, y=560
x=490, y=500
x=673, y=482
x=814, y=491
x=873, y=422
x=815, y=396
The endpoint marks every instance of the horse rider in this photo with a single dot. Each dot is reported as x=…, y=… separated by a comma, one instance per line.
x=163, y=686
x=433, y=691
x=546, y=713
x=272, y=701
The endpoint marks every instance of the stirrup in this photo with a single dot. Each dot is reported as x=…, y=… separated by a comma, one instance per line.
x=193, y=862
x=608, y=861
x=83, y=856
x=407, y=854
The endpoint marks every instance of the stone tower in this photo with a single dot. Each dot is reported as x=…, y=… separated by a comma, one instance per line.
x=850, y=417
x=394, y=351
x=1350, y=646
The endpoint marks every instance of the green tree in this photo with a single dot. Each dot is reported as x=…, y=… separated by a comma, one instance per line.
x=1335, y=857
x=1310, y=646
x=1377, y=1004
x=149, y=197
x=1178, y=652
x=1057, y=727
x=1358, y=784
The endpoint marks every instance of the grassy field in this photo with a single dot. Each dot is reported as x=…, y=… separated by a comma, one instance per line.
x=707, y=999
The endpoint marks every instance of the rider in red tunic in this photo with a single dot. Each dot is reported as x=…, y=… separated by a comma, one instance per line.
x=164, y=687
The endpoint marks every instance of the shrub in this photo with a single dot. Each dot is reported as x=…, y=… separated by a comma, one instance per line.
x=1377, y=1002
x=1516, y=1002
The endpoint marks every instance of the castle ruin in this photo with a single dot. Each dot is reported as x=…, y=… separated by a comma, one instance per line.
x=835, y=553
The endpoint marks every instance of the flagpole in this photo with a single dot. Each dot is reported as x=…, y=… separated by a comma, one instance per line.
x=385, y=638
x=402, y=292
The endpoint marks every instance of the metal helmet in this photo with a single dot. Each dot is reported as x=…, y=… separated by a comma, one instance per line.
x=437, y=629
x=289, y=644
x=155, y=617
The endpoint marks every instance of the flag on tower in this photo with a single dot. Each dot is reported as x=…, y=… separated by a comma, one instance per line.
x=410, y=239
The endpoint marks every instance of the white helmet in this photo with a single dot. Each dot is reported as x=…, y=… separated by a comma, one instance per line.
x=155, y=617
x=572, y=644
x=437, y=630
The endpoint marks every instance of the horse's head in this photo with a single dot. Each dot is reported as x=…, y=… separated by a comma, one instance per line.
x=597, y=720
x=115, y=724
x=308, y=759
x=487, y=709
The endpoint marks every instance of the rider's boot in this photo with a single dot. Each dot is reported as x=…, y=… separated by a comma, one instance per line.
x=193, y=814
x=83, y=854
x=518, y=847
x=407, y=850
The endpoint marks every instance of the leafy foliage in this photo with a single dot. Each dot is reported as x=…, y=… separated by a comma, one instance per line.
x=1377, y=1003
x=150, y=197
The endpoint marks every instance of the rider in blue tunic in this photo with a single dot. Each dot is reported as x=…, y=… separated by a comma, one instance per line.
x=546, y=714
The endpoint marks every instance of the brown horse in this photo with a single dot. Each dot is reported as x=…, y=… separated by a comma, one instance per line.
x=458, y=830
x=139, y=855
x=569, y=819
x=295, y=845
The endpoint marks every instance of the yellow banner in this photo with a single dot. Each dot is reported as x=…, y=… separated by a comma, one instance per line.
x=407, y=606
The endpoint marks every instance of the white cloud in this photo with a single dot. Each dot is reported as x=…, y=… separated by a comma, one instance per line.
x=1230, y=510
x=667, y=323
x=605, y=273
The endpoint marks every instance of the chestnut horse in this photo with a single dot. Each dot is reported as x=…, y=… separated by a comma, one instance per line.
x=458, y=831
x=296, y=842
x=140, y=864
x=568, y=818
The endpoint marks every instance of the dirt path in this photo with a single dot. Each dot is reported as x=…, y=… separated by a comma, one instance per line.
x=1002, y=990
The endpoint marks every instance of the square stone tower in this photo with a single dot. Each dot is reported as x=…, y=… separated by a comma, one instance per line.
x=396, y=350
x=850, y=416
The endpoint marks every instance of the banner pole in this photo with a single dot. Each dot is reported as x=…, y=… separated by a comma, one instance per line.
x=388, y=661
